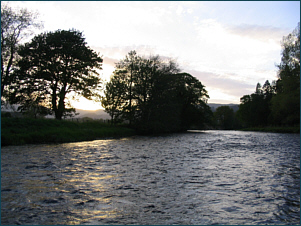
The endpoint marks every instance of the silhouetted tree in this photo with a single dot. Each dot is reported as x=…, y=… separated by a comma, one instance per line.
x=279, y=103
x=177, y=102
x=255, y=109
x=128, y=69
x=193, y=98
x=286, y=103
x=52, y=65
x=224, y=118
x=115, y=98
x=154, y=96
x=15, y=25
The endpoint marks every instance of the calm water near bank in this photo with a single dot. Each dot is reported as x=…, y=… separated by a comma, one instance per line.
x=209, y=177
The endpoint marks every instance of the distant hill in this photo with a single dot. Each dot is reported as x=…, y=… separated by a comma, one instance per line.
x=98, y=114
x=101, y=114
x=213, y=107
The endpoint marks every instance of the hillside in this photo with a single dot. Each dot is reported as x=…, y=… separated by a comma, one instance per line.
x=101, y=114
x=97, y=114
x=215, y=106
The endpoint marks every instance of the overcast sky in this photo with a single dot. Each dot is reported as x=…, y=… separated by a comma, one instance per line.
x=228, y=46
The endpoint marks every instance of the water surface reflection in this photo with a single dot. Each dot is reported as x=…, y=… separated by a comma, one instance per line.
x=214, y=177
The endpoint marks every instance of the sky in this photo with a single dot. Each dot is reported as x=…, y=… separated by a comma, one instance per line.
x=228, y=46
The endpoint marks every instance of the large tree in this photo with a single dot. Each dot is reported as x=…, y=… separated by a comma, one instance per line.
x=277, y=103
x=54, y=64
x=286, y=104
x=127, y=69
x=224, y=118
x=255, y=109
x=15, y=26
x=153, y=96
x=115, y=98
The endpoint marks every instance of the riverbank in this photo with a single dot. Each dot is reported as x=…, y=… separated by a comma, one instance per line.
x=274, y=129
x=19, y=131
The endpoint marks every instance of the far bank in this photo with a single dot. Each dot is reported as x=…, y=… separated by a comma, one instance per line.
x=20, y=131
x=295, y=129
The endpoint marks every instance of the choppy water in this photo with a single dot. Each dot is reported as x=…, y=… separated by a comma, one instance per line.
x=213, y=177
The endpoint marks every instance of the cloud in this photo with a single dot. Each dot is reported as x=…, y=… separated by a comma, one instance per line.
x=216, y=50
x=228, y=57
x=113, y=54
x=226, y=85
x=223, y=87
x=262, y=33
x=110, y=61
x=220, y=82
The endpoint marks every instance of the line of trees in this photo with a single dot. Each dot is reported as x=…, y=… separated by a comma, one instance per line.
x=150, y=93
x=153, y=96
x=277, y=104
x=273, y=104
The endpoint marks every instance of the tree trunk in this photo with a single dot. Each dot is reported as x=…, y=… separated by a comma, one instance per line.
x=5, y=74
x=131, y=80
x=2, y=74
x=61, y=107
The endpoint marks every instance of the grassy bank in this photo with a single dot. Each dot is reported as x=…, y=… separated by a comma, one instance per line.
x=274, y=129
x=19, y=131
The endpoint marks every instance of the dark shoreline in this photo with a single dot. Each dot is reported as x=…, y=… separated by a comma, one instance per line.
x=21, y=131
x=273, y=129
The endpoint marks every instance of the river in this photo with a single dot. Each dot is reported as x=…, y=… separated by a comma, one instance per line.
x=198, y=177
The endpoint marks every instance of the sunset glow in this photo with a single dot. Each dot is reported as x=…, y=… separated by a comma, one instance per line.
x=85, y=104
x=228, y=46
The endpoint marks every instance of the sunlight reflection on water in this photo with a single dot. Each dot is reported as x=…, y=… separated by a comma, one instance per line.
x=212, y=177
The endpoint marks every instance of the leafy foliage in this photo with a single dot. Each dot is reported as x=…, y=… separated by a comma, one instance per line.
x=15, y=25
x=224, y=118
x=153, y=96
x=254, y=109
x=277, y=104
x=286, y=104
x=52, y=65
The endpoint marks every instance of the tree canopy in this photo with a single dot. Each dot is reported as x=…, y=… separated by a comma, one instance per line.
x=15, y=25
x=254, y=109
x=286, y=104
x=52, y=65
x=224, y=118
x=150, y=93
x=277, y=103
x=154, y=96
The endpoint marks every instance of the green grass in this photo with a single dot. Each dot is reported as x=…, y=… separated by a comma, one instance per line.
x=274, y=129
x=19, y=131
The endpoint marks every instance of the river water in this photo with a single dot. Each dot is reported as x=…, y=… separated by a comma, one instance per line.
x=204, y=178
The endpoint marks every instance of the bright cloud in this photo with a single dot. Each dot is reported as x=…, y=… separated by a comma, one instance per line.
x=228, y=46
x=84, y=104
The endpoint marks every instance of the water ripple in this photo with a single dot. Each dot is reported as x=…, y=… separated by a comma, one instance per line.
x=213, y=177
